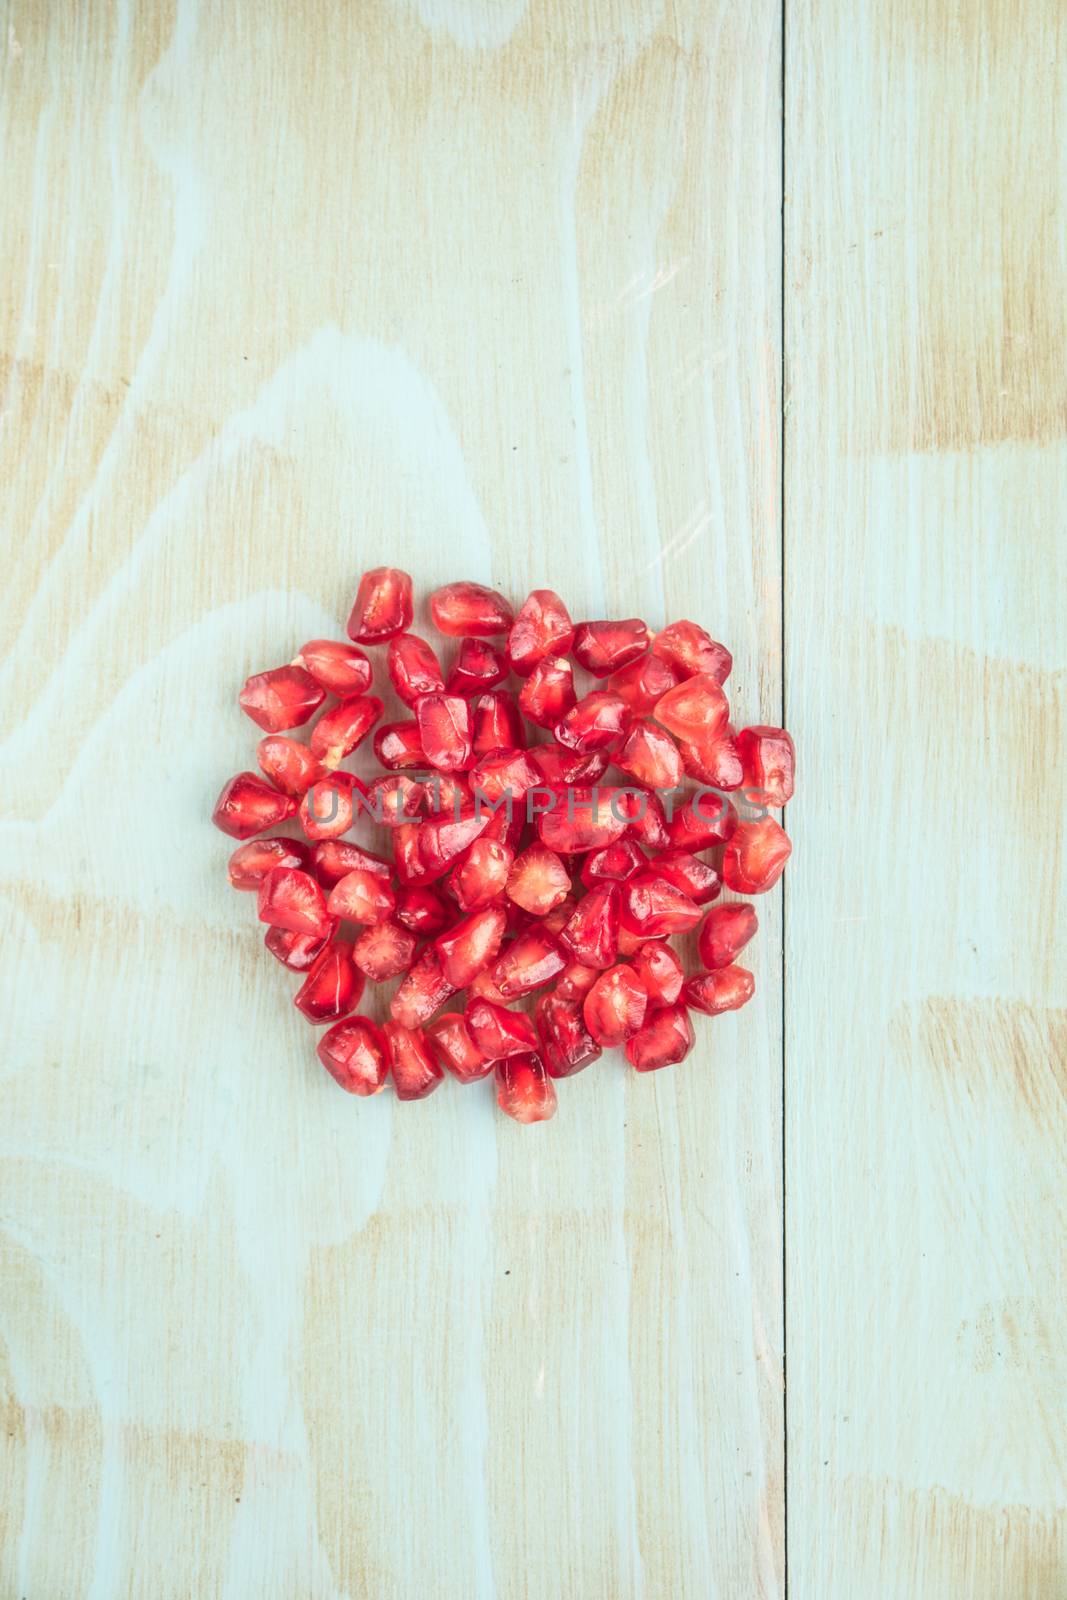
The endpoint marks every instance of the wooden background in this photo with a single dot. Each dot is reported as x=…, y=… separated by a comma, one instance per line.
x=499, y=289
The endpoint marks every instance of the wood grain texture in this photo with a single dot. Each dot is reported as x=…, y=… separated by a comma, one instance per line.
x=926, y=1051
x=491, y=290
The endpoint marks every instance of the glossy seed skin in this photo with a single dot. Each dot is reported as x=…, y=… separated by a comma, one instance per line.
x=342, y=669
x=566, y=1043
x=664, y=1039
x=755, y=857
x=414, y=669
x=470, y=608
x=251, y=862
x=725, y=932
x=285, y=697
x=290, y=898
x=248, y=805
x=607, y=647
x=615, y=1006
x=456, y=1051
x=383, y=606
x=412, y=1063
x=542, y=628
x=725, y=989
x=768, y=763
x=333, y=986
x=524, y=1091
x=354, y=1054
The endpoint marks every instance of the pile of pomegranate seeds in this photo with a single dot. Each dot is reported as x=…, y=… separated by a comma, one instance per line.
x=539, y=843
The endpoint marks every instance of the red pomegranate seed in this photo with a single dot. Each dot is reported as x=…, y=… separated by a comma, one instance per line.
x=471, y=946
x=690, y=650
x=768, y=762
x=478, y=665
x=495, y=723
x=592, y=934
x=541, y=628
x=339, y=730
x=333, y=986
x=698, y=879
x=715, y=761
x=331, y=859
x=650, y=756
x=665, y=1039
x=481, y=876
x=696, y=710
x=613, y=864
x=575, y=981
x=606, y=647
x=528, y=963
x=415, y=1072
x=556, y=920
x=538, y=881
x=643, y=683
x=410, y=867
x=361, y=896
x=644, y=812
x=290, y=898
x=249, y=806
x=251, y=862
x=420, y=909
x=523, y=1090
x=448, y=792
x=329, y=808
x=725, y=989
x=660, y=971
x=283, y=698
x=470, y=608
x=454, y=1048
x=630, y=943
x=396, y=798
x=706, y=820
x=483, y=988
x=726, y=931
x=548, y=693
x=561, y=767
x=598, y=720
x=397, y=745
x=288, y=764
x=755, y=856
x=503, y=773
x=443, y=839
x=445, y=731
x=423, y=991
x=298, y=951
x=615, y=1006
x=353, y=1053
x=340, y=668
x=414, y=669
x=566, y=1043
x=582, y=819
x=499, y=1032
x=384, y=951
x=383, y=606
x=654, y=908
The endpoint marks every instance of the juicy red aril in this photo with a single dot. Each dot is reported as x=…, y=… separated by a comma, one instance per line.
x=538, y=881
x=504, y=773
x=298, y=951
x=483, y=988
x=353, y=1053
x=414, y=669
x=422, y=992
x=548, y=693
x=575, y=981
x=383, y=606
x=397, y=745
x=566, y=1043
x=715, y=761
x=249, y=806
x=592, y=934
x=411, y=1061
x=606, y=647
x=650, y=756
x=495, y=723
x=451, y=1043
x=615, y=1006
x=283, y=698
x=653, y=908
x=333, y=986
x=558, y=766
x=251, y=862
x=665, y=1038
x=361, y=896
x=445, y=731
x=753, y=860
x=643, y=683
x=290, y=898
x=470, y=608
x=477, y=666
x=442, y=839
x=690, y=650
x=613, y=864
x=288, y=764
x=481, y=876
x=725, y=989
x=597, y=721
x=698, y=879
x=660, y=971
x=499, y=1032
x=696, y=709
x=340, y=668
x=523, y=1089
x=726, y=931
x=384, y=951
x=410, y=867
x=420, y=909
x=541, y=628
x=339, y=730
x=329, y=807
x=647, y=823
x=396, y=798
x=581, y=819
x=768, y=761
x=704, y=821
x=470, y=946
x=331, y=859
x=528, y=963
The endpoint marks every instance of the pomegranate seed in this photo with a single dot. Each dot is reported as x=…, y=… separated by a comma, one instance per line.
x=396, y=798
x=415, y=1072
x=448, y=792
x=481, y=877
x=768, y=762
x=329, y=807
x=725, y=989
x=496, y=723
x=644, y=812
x=692, y=651
x=630, y=943
x=443, y=839
x=340, y=668
x=650, y=756
x=288, y=764
x=696, y=878
x=556, y=920
x=523, y=1090
x=613, y=864
x=410, y=868
x=504, y=773
x=538, y=881
x=249, y=806
x=714, y=761
x=654, y=908
x=471, y=945
x=397, y=745
x=361, y=896
x=660, y=971
x=383, y=606
x=615, y=1006
x=558, y=766
x=420, y=909
x=582, y=819
x=339, y=730
x=298, y=951
x=566, y=1043
x=331, y=859
x=696, y=710
x=643, y=683
x=606, y=647
x=665, y=1039
x=706, y=820
x=283, y=698
x=251, y=862
x=528, y=963
x=499, y=1032
x=477, y=666
x=413, y=668
x=422, y=992
x=548, y=693
x=445, y=731
x=542, y=628
x=290, y=898
x=592, y=934
x=454, y=1048
x=726, y=931
x=353, y=1053
x=755, y=856
x=333, y=986
x=469, y=608
x=597, y=721
x=384, y=951
x=483, y=988
x=575, y=981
